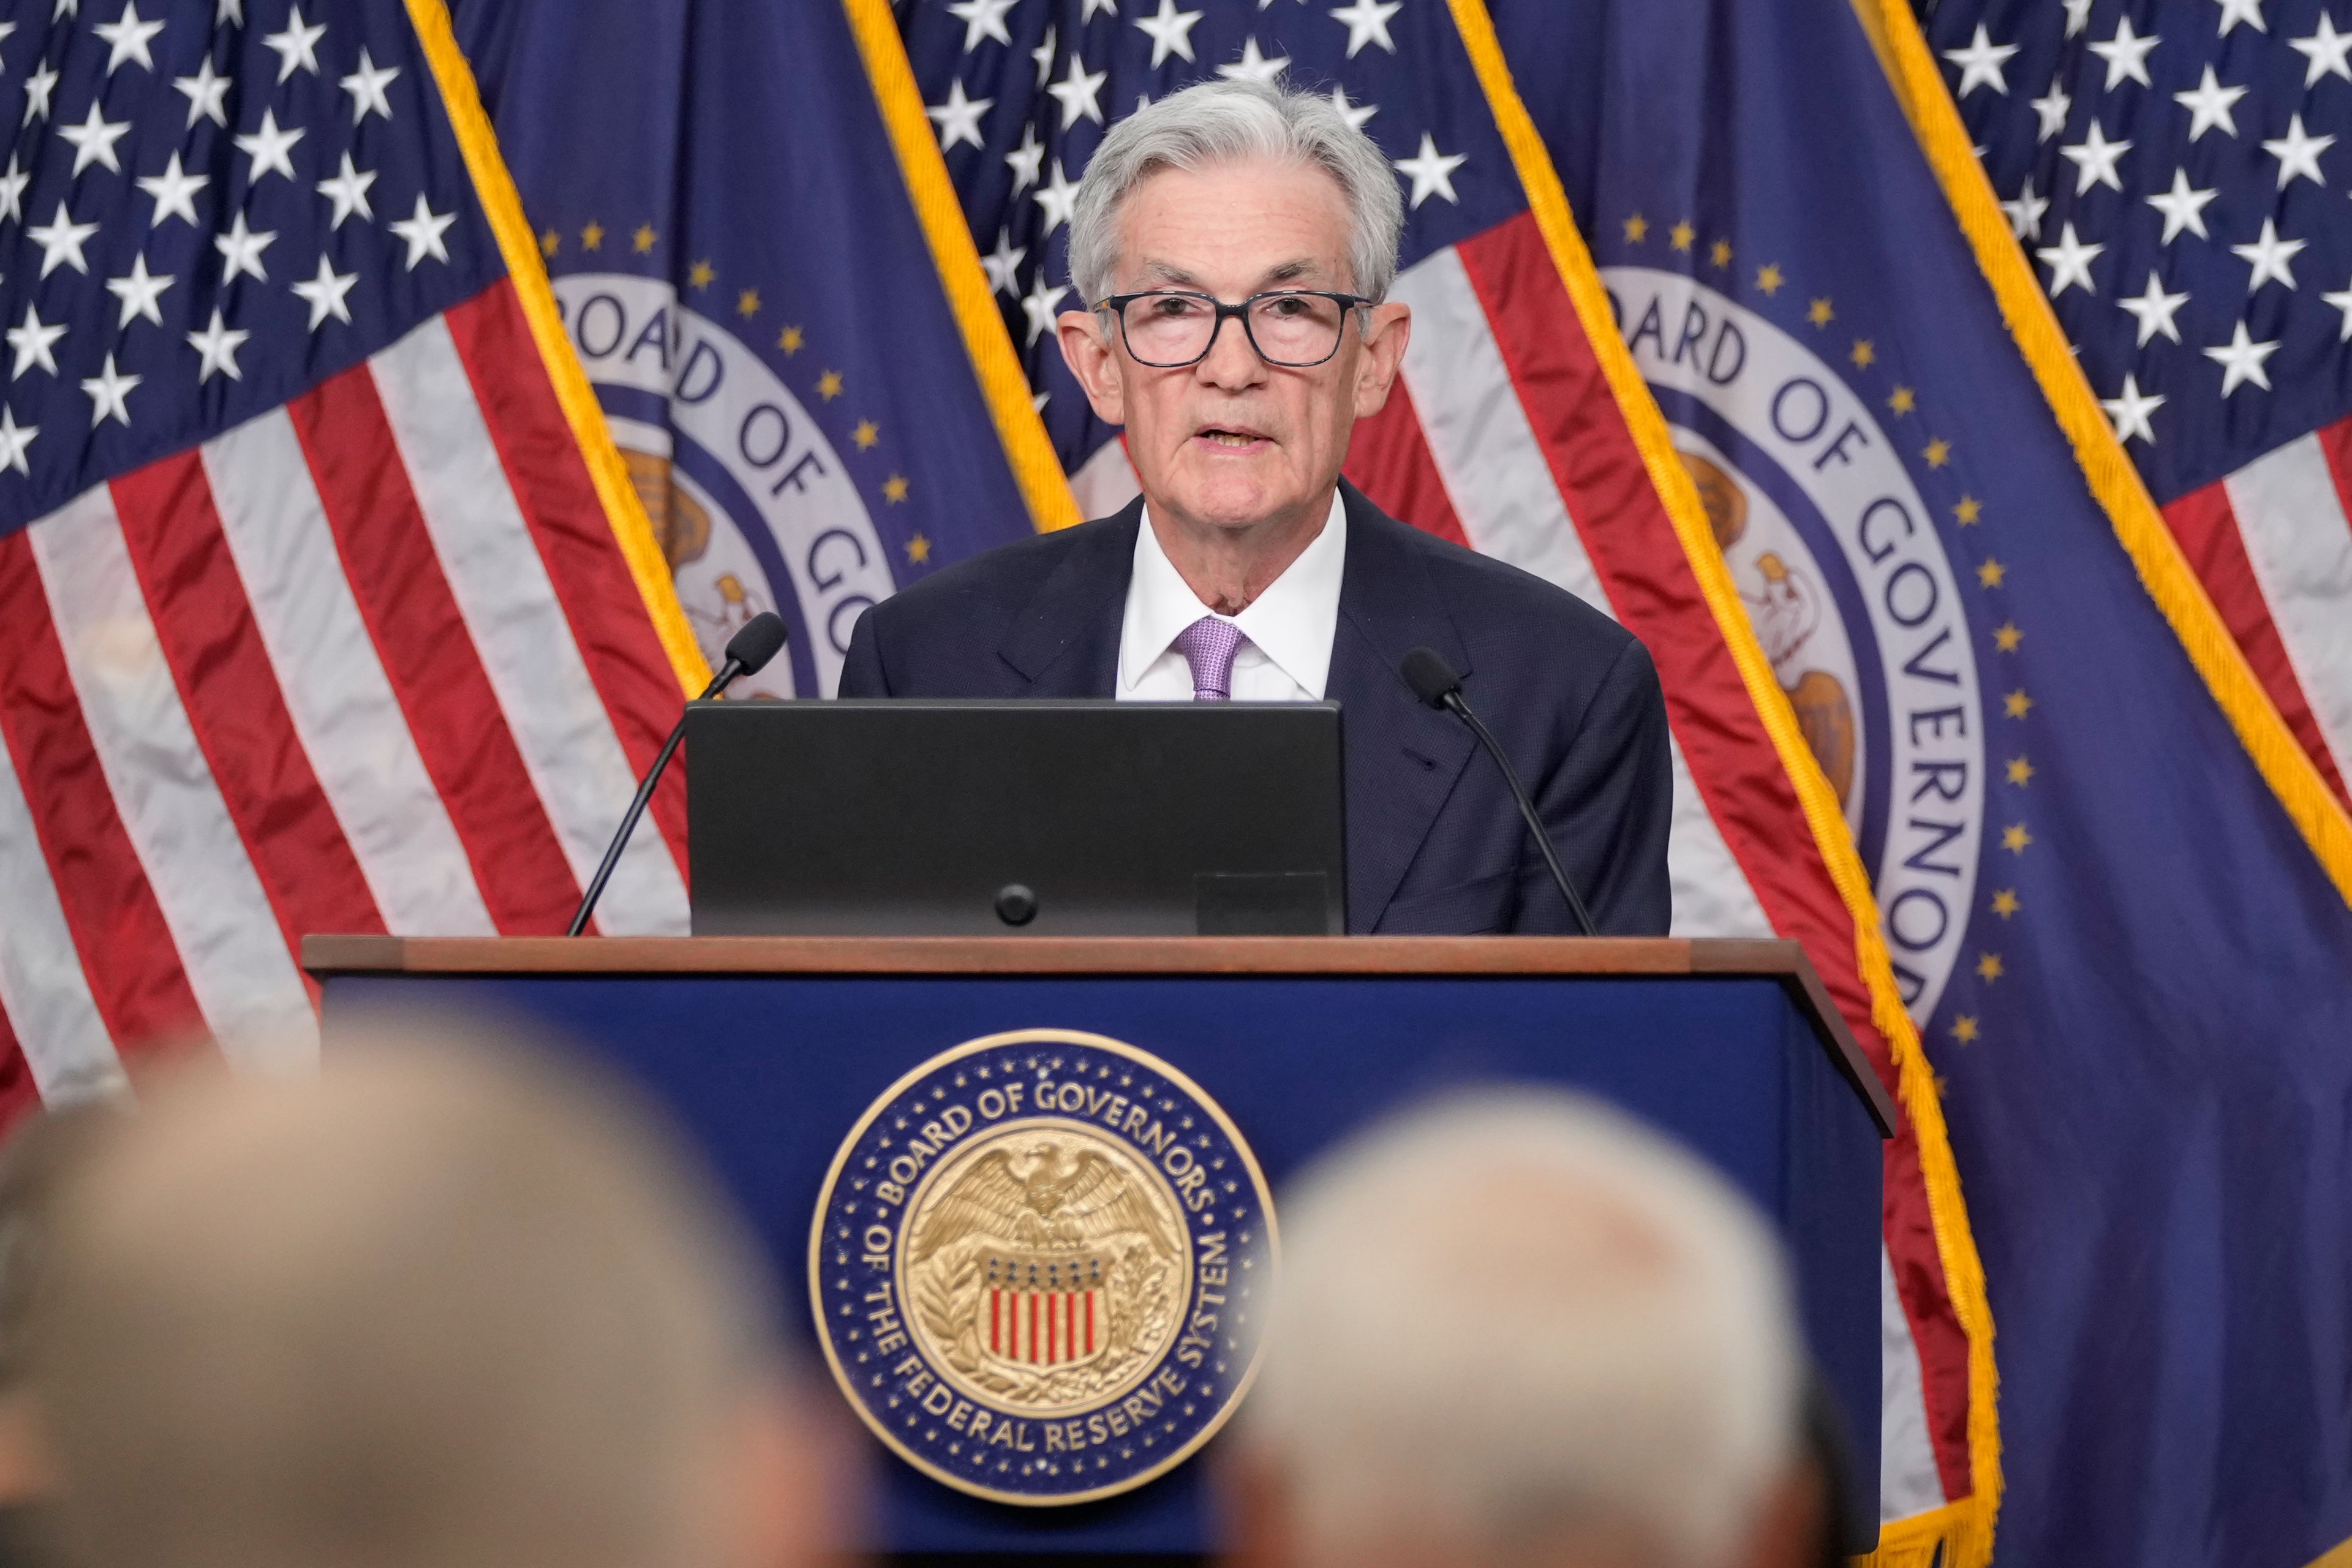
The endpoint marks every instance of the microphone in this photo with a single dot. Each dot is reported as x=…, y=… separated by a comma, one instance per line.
x=748, y=653
x=1434, y=682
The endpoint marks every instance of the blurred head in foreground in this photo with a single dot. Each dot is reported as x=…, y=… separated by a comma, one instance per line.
x=1524, y=1331
x=443, y=1304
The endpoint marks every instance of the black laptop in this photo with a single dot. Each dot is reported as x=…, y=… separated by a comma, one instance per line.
x=1060, y=819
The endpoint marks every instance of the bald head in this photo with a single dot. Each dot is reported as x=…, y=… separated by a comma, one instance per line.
x=1522, y=1329
x=443, y=1305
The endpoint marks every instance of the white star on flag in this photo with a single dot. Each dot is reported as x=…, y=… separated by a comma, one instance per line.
x=1354, y=114
x=13, y=439
x=324, y=294
x=207, y=94
x=32, y=341
x=1253, y=66
x=2250, y=12
x=2210, y=104
x=243, y=247
x=1076, y=93
x=981, y=19
x=2070, y=262
x=2130, y=411
x=2241, y=360
x=2297, y=154
x=62, y=240
x=1043, y=55
x=2126, y=56
x=2095, y=159
x=93, y=141
x=1002, y=263
x=2052, y=109
x=958, y=118
x=1366, y=21
x=12, y=191
x=1058, y=198
x=2270, y=257
x=138, y=289
x=5, y=29
x=2025, y=212
x=2326, y=49
x=2182, y=208
x=366, y=87
x=297, y=47
x=348, y=190
x=1982, y=64
x=1027, y=160
x=217, y=345
x=1170, y=32
x=2153, y=309
x=109, y=392
x=423, y=230
x=2342, y=300
x=2078, y=16
x=269, y=147
x=174, y=191
x=1431, y=173
x=37, y=87
x=128, y=38
x=1038, y=306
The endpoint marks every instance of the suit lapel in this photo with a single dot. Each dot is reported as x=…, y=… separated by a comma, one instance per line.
x=1403, y=756
x=1064, y=642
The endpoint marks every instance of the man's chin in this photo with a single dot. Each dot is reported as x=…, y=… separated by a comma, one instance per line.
x=1229, y=500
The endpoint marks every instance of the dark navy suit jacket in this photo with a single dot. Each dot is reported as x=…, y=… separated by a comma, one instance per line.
x=1434, y=844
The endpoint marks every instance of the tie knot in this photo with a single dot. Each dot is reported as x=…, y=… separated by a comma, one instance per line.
x=1209, y=645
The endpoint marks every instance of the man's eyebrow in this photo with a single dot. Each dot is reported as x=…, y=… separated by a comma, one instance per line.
x=1290, y=272
x=1168, y=272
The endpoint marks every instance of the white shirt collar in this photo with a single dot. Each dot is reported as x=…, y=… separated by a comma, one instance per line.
x=1292, y=623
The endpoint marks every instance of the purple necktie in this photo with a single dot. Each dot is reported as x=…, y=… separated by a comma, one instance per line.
x=1209, y=645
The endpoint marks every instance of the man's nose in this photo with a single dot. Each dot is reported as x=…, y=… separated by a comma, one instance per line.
x=1232, y=363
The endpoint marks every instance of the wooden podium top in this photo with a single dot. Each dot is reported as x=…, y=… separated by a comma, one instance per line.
x=1294, y=955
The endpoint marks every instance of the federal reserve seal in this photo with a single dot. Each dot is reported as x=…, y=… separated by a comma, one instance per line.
x=1038, y=1267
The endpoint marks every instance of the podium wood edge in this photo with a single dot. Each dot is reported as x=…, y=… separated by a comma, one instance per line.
x=328, y=955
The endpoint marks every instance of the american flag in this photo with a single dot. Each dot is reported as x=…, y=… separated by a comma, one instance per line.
x=2177, y=171
x=1501, y=434
x=311, y=617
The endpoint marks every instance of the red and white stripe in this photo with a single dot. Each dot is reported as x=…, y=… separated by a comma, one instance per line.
x=370, y=662
x=2272, y=544
x=1044, y=1328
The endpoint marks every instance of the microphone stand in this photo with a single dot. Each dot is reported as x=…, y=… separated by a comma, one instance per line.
x=745, y=653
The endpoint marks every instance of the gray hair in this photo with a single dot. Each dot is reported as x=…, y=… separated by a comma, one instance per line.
x=1523, y=1319
x=446, y=1304
x=1214, y=122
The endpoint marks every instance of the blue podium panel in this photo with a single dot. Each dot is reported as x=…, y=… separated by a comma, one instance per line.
x=772, y=1072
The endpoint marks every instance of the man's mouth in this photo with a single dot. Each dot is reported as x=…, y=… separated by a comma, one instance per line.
x=1232, y=436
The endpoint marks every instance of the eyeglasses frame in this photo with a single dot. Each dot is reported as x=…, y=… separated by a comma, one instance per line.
x=1116, y=305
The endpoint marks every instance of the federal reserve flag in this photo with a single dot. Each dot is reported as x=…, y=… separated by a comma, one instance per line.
x=2129, y=962
x=320, y=600
x=743, y=276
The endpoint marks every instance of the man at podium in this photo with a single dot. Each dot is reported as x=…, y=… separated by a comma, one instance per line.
x=1235, y=243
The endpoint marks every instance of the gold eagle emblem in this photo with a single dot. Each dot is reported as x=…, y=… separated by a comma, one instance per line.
x=1046, y=1268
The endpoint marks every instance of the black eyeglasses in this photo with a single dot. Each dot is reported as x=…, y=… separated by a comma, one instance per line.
x=1294, y=328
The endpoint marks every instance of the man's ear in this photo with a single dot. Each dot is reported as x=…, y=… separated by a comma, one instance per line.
x=1376, y=368
x=1092, y=360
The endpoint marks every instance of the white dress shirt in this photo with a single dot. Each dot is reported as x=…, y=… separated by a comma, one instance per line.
x=1287, y=658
